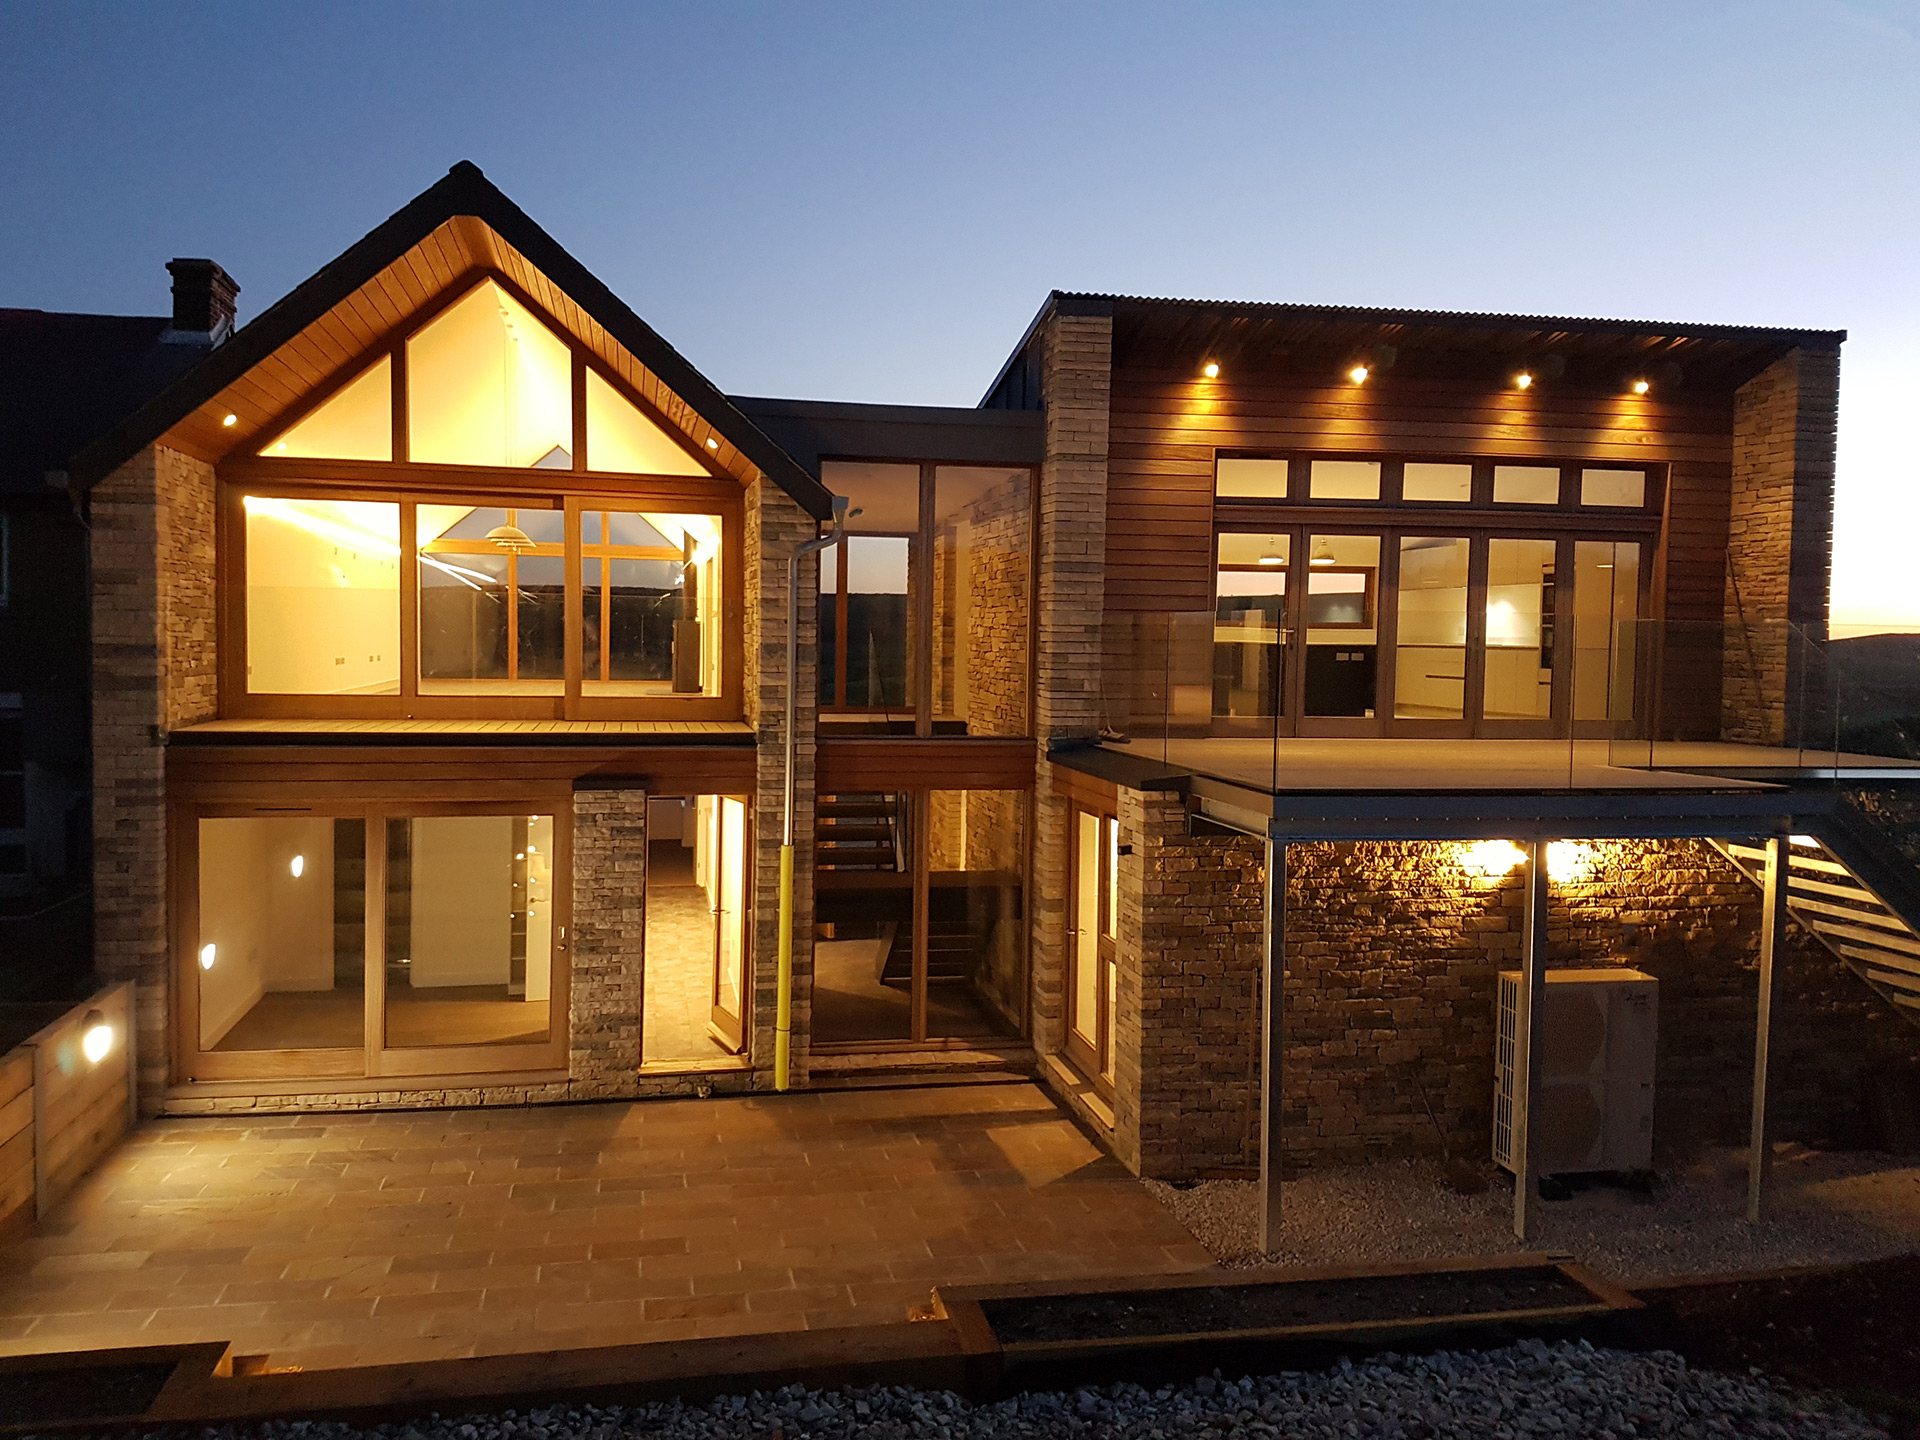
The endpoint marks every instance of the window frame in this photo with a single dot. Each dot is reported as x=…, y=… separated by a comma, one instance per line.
x=1480, y=502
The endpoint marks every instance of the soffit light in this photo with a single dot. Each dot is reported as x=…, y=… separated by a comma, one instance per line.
x=1358, y=374
x=1640, y=387
x=1522, y=380
x=510, y=537
x=96, y=1037
x=1211, y=369
x=231, y=420
x=712, y=444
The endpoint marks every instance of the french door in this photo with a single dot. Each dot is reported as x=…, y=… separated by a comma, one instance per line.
x=726, y=821
x=1093, y=978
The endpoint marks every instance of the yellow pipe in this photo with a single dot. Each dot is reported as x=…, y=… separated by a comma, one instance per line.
x=783, y=1015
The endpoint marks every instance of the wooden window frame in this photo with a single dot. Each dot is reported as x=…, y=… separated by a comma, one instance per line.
x=374, y=1060
x=1481, y=501
x=1095, y=1063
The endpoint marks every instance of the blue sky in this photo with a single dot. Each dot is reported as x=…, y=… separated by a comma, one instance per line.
x=870, y=201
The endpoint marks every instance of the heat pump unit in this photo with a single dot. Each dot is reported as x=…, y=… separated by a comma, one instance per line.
x=1594, y=1109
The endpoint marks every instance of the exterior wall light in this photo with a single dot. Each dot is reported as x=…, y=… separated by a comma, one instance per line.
x=96, y=1037
x=207, y=955
x=1490, y=859
x=1640, y=387
x=1211, y=369
x=299, y=866
x=1522, y=380
x=231, y=421
x=1358, y=374
x=1569, y=861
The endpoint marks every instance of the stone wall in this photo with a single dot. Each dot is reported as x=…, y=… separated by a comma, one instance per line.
x=1392, y=955
x=1780, y=540
x=154, y=670
x=775, y=524
x=609, y=936
x=1076, y=366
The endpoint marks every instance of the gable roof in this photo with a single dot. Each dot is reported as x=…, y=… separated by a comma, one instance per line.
x=70, y=376
x=1148, y=329
x=328, y=325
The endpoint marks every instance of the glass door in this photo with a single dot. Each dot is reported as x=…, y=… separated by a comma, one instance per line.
x=724, y=878
x=1336, y=614
x=1093, y=982
x=1523, y=664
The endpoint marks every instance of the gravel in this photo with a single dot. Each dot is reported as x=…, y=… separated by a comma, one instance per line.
x=1823, y=1208
x=1529, y=1389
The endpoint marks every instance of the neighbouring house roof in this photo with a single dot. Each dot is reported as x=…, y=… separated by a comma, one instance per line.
x=813, y=430
x=1150, y=329
x=69, y=377
x=331, y=324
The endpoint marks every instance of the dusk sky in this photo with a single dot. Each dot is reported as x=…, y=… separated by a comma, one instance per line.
x=870, y=202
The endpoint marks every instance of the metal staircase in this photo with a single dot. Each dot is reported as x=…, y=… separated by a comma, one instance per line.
x=1831, y=900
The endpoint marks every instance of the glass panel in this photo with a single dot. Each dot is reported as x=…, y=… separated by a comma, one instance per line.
x=281, y=953
x=1250, y=479
x=621, y=438
x=492, y=600
x=1430, y=652
x=353, y=423
x=887, y=496
x=976, y=911
x=695, y=925
x=982, y=562
x=469, y=930
x=489, y=384
x=1250, y=589
x=1626, y=488
x=863, y=914
x=650, y=599
x=1345, y=480
x=323, y=597
x=1526, y=485
x=1425, y=480
x=1085, y=1017
x=1341, y=653
x=1520, y=630
x=878, y=657
x=828, y=646
x=1606, y=594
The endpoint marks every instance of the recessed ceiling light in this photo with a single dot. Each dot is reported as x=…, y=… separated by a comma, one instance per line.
x=1522, y=380
x=231, y=420
x=1358, y=374
x=1640, y=387
x=712, y=444
x=1211, y=369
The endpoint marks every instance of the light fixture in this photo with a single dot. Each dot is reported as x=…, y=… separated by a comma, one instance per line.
x=1522, y=380
x=1273, y=557
x=1640, y=387
x=1568, y=860
x=1358, y=374
x=1489, y=858
x=1323, y=553
x=96, y=1037
x=299, y=866
x=1211, y=369
x=1805, y=842
x=206, y=957
x=510, y=537
x=712, y=444
x=231, y=420
x=281, y=446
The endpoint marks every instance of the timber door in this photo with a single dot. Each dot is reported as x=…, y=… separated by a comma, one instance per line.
x=1092, y=982
x=729, y=894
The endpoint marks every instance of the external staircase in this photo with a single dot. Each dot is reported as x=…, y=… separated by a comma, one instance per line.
x=1842, y=890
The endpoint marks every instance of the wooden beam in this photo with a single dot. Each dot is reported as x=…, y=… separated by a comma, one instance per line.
x=1529, y=1024
x=1773, y=931
x=1272, y=996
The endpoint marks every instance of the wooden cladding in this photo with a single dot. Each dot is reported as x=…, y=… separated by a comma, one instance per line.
x=936, y=764
x=1167, y=428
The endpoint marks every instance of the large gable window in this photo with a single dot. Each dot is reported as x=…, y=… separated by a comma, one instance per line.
x=354, y=423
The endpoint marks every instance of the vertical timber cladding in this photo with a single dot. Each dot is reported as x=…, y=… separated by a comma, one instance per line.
x=1076, y=364
x=1393, y=951
x=154, y=670
x=1167, y=425
x=1780, y=545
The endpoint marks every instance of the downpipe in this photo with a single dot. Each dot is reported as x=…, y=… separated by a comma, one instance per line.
x=783, y=1013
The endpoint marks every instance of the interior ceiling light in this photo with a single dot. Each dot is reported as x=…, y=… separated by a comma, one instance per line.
x=1358, y=374
x=1322, y=554
x=1211, y=369
x=1640, y=387
x=231, y=420
x=1273, y=557
x=510, y=537
x=1522, y=380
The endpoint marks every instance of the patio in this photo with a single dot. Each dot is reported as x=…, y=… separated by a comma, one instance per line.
x=338, y=1240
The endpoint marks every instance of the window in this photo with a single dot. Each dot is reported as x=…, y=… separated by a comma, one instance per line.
x=1519, y=629
x=1344, y=480
x=1606, y=591
x=1526, y=485
x=322, y=596
x=1093, y=985
x=376, y=943
x=1430, y=656
x=1620, y=488
x=492, y=599
x=1250, y=479
x=489, y=384
x=620, y=438
x=354, y=423
x=924, y=609
x=1449, y=483
x=650, y=593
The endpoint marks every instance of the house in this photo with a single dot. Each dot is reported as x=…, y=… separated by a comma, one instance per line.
x=445, y=676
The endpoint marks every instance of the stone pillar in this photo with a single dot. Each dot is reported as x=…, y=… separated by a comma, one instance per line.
x=608, y=939
x=1077, y=365
x=154, y=669
x=1780, y=544
x=775, y=524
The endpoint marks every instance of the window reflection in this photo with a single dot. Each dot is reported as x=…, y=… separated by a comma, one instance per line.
x=1250, y=605
x=650, y=596
x=1606, y=602
x=492, y=600
x=1430, y=656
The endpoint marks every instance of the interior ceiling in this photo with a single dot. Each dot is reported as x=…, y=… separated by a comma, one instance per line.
x=355, y=330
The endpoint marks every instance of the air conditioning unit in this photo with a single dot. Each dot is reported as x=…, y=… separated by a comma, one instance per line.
x=1595, y=1059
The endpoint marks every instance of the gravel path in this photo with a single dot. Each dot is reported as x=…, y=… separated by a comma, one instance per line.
x=1823, y=1209
x=1530, y=1389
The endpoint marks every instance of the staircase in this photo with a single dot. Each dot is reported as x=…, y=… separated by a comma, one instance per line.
x=859, y=833
x=1831, y=900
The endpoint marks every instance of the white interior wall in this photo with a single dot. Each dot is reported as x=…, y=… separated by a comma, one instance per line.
x=462, y=900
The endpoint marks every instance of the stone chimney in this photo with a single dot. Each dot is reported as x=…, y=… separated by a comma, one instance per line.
x=203, y=296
